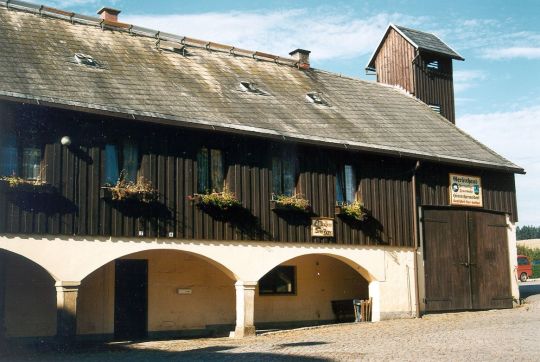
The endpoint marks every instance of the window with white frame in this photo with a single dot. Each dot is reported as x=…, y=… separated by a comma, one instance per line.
x=284, y=172
x=18, y=159
x=121, y=160
x=210, y=170
x=279, y=281
x=346, y=185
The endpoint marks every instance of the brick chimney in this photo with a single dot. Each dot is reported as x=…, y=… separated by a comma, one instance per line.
x=302, y=57
x=109, y=14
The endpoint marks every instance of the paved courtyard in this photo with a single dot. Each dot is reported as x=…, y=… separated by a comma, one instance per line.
x=491, y=335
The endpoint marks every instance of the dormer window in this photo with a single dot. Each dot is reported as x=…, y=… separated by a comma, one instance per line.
x=84, y=59
x=251, y=88
x=317, y=98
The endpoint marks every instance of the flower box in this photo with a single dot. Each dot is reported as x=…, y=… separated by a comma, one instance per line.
x=294, y=203
x=141, y=191
x=355, y=211
x=18, y=184
x=216, y=201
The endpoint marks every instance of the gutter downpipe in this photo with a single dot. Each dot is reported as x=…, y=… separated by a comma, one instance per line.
x=416, y=236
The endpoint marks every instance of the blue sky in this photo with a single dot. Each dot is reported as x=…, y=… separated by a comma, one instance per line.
x=497, y=87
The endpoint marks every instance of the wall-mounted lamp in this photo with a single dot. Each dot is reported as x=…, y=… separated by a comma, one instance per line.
x=66, y=141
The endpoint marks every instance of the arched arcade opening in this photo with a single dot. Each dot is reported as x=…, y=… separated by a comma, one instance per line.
x=300, y=291
x=156, y=294
x=27, y=298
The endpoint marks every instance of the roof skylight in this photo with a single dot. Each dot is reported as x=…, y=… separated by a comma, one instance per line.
x=252, y=88
x=317, y=98
x=86, y=60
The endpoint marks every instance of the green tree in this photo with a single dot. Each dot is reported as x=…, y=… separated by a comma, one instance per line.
x=528, y=232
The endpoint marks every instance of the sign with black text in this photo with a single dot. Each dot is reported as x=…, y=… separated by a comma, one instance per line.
x=465, y=190
x=322, y=227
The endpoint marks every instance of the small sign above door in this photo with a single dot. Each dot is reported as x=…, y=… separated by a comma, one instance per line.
x=322, y=227
x=465, y=190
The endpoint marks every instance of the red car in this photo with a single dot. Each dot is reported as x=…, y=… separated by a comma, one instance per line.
x=524, y=268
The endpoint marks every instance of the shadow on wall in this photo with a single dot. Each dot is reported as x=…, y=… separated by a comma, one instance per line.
x=48, y=203
x=28, y=297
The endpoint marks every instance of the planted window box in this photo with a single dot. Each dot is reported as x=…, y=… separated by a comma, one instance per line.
x=294, y=203
x=19, y=184
x=354, y=211
x=140, y=190
x=223, y=201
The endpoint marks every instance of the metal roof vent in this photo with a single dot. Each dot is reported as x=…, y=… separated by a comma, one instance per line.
x=317, y=98
x=435, y=107
x=85, y=60
x=252, y=88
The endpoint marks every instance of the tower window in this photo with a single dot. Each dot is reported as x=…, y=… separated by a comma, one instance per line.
x=432, y=64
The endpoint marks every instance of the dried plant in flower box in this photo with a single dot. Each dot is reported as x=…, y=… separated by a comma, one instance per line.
x=140, y=190
x=294, y=203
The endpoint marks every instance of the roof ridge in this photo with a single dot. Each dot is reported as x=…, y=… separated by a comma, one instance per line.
x=141, y=31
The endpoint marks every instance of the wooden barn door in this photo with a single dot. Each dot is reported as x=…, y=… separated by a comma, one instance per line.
x=490, y=271
x=466, y=260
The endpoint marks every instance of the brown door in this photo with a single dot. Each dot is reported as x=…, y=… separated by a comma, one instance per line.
x=130, y=299
x=490, y=272
x=466, y=260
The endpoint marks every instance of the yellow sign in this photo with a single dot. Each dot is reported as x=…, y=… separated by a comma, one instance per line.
x=322, y=227
x=465, y=190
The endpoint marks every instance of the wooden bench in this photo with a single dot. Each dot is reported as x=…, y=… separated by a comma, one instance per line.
x=344, y=310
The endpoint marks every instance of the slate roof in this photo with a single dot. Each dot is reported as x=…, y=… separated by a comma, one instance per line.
x=420, y=40
x=137, y=80
x=427, y=41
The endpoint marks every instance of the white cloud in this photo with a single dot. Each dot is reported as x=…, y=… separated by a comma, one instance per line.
x=465, y=79
x=492, y=39
x=75, y=4
x=329, y=34
x=513, y=52
x=515, y=135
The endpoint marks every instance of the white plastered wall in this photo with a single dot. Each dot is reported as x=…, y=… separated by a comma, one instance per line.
x=512, y=254
x=389, y=270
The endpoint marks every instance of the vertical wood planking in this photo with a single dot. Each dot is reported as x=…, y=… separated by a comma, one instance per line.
x=384, y=183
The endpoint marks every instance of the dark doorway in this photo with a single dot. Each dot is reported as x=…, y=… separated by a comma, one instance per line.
x=466, y=260
x=131, y=299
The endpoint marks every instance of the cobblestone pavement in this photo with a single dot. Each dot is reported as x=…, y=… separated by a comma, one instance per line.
x=491, y=335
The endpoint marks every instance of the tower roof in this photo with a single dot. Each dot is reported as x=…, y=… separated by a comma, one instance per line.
x=421, y=40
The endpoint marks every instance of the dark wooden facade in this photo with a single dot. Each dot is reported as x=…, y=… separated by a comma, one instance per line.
x=435, y=86
x=168, y=160
x=398, y=62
